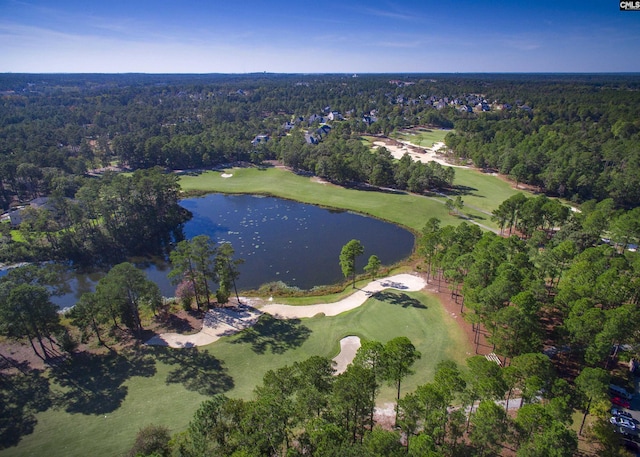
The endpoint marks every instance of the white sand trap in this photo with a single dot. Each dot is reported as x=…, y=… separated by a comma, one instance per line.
x=349, y=345
x=217, y=323
x=417, y=153
x=221, y=322
x=226, y=175
x=404, y=282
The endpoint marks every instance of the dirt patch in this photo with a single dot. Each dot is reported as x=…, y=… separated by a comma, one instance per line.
x=453, y=306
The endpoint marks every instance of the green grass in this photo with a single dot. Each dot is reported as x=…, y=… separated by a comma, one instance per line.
x=418, y=316
x=411, y=211
x=176, y=380
x=423, y=137
x=483, y=190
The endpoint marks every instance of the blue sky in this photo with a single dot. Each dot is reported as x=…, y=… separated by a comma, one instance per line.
x=239, y=36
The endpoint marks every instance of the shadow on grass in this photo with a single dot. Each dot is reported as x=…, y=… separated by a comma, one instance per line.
x=94, y=383
x=400, y=299
x=276, y=335
x=463, y=190
x=23, y=393
x=196, y=370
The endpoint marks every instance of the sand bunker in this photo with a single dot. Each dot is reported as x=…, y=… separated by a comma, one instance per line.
x=217, y=323
x=349, y=345
x=404, y=282
x=226, y=175
x=416, y=153
x=221, y=322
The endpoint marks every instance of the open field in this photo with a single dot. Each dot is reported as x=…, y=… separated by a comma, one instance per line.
x=165, y=385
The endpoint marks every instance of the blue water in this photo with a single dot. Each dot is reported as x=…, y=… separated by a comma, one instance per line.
x=279, y=240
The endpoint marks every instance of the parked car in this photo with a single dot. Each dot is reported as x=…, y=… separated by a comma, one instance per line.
x=619, y=392
x=621, y=413
x=621, y=402
x=622, y=422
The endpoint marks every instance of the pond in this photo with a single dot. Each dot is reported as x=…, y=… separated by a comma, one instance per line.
x=279, y=240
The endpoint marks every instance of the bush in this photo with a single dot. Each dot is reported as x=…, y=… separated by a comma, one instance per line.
x=153, y=440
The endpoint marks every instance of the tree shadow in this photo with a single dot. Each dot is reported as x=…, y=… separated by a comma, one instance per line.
x=196, y=370
x=94, y=382
x=277, y=335
x=173, y=323
x=23, y=393
x=400, y=299
x=459, y=189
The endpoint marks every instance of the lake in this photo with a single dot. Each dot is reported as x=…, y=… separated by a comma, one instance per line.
x=279, y=240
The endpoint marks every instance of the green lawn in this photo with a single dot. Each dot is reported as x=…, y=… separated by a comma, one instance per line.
x=423, y=137
x=166, y=385
x=482, y=190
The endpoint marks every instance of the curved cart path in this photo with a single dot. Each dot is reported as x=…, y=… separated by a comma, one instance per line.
x=221, y=322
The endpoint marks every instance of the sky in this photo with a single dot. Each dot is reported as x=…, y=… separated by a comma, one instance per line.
x=347, y=36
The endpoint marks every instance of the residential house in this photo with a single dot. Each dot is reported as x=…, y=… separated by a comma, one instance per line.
x=260, y=139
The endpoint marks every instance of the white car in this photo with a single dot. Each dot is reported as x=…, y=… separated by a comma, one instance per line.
x=622, y=422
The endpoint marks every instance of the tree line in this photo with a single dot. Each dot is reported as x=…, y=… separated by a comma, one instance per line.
x=572, y=136
x=308, y=409
x=123, y=299
x=109, y=219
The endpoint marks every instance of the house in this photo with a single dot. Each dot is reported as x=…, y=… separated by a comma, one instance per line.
x=323, y=131
x=369, y=119
x=260, y=139
x=310, y=139
x=315, y=118
x=15, y=215
x=335, y=116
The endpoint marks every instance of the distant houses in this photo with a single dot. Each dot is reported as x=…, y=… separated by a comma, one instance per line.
x=260, y=139
x=15, y=215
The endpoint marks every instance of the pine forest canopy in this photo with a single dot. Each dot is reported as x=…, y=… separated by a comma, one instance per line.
x=572, y=135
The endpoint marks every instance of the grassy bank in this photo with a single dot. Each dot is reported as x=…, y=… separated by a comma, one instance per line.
x=411, y=211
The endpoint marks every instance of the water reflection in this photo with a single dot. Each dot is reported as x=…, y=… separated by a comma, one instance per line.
x=279, y=240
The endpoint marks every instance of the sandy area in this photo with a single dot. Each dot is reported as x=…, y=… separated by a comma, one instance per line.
x=401, y=282
x=217, y=323
x=220, y=322
x=226, y=175
x=399, y=148
x=349, y=345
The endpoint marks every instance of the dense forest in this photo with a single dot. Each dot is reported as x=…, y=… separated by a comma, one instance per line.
x=574, y=136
